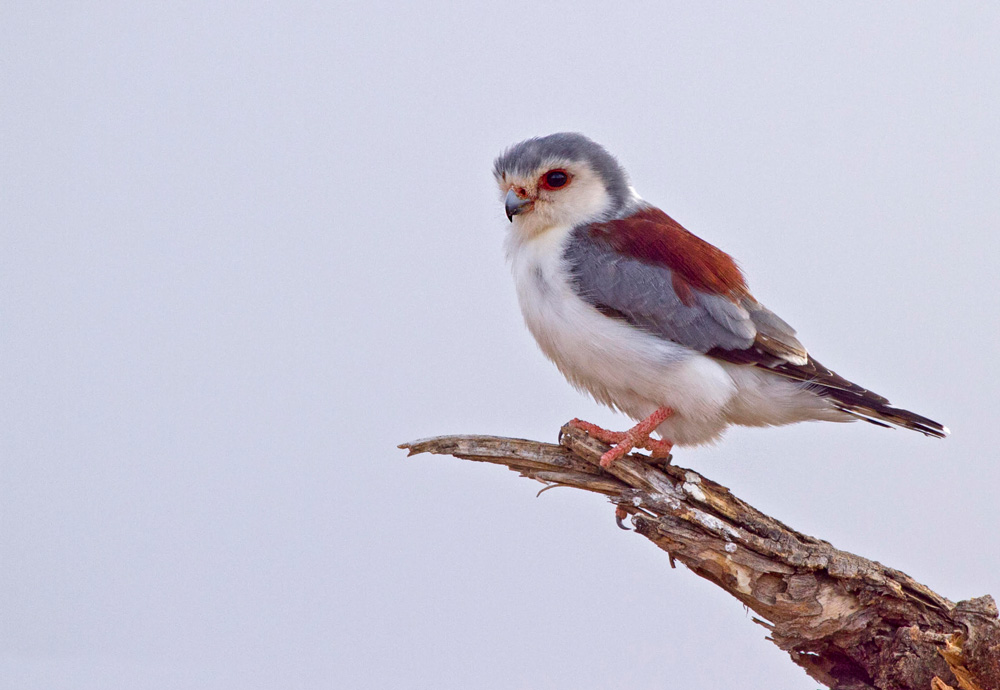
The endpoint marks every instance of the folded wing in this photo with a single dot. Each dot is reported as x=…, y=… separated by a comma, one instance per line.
x=650, y=272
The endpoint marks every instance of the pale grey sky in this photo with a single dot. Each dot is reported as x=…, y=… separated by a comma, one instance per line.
x=249, y=248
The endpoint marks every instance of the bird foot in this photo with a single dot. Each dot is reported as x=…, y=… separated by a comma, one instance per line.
x=622, y=442
x=599, y=432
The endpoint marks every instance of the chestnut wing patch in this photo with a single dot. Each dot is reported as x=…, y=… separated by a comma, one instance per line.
x=647, y=295
x=651, y=236
x=702, y=277
x=653, y=274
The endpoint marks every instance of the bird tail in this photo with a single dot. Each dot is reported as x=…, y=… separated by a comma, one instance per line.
x=880, y=413
x=859, y=402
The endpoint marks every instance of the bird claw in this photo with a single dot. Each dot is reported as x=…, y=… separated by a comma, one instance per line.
x=620, y=515
x=622, y=442
x=599, y=432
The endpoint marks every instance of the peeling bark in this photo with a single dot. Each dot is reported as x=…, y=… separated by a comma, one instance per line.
x=851, y=623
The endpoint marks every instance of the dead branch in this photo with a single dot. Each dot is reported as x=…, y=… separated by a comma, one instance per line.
x=851, y=623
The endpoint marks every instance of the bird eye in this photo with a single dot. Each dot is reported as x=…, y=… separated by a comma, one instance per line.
x=554, y=179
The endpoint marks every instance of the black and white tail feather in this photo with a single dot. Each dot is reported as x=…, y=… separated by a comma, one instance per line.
x=857, y=401
x=776, y=348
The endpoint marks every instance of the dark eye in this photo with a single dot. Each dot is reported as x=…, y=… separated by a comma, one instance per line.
x=554, y=179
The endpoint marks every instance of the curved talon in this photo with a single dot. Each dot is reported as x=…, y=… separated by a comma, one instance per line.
x=621, y=514
x=545, y=488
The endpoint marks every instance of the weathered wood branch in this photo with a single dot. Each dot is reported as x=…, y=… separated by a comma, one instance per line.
x=851, y=623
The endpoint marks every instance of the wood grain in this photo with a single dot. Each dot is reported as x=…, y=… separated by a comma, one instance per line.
x=851, y=623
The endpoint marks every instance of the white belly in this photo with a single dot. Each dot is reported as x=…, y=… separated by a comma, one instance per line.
x=636, y=372
x=619, y=365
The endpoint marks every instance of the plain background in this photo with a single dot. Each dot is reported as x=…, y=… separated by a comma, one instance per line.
x=248, y=248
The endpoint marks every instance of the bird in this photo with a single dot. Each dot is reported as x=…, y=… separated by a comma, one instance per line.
x=650, y=319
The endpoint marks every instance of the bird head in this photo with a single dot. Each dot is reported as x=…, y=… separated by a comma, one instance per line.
x=561, y=180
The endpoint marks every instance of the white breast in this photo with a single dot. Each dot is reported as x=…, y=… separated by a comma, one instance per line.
x=619, y=365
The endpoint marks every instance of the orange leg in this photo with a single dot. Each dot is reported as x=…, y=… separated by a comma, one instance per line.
x=599, y=432
x=637, y=437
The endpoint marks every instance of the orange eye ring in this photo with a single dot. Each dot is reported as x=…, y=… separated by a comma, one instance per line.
x=554, y=179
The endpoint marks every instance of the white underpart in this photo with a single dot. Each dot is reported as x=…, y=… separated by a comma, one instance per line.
x=631, y=370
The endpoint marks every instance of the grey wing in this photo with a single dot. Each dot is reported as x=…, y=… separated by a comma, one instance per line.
x=775, y=338
x=644, y=295
x=744, y=332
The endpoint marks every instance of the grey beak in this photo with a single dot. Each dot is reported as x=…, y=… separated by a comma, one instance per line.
x=513, y=204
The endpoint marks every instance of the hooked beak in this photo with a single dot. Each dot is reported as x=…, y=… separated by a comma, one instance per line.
x=513, y=204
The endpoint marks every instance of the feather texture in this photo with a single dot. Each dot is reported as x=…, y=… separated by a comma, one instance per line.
x=647, y=270
x=643, y=314
x=651, y=236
